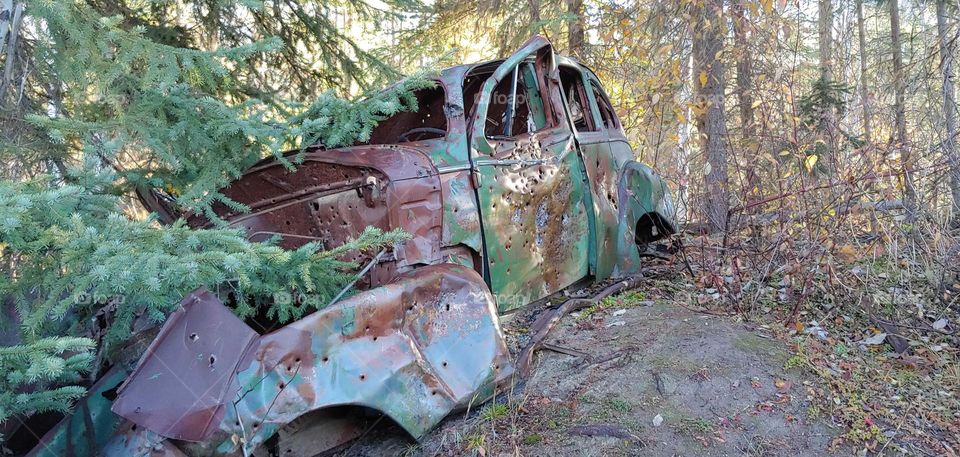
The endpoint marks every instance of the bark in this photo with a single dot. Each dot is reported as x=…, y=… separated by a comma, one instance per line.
x=827, y=125
x=13, y=30
x=949, y=108
x=575, y=35
x=6, y=15
x=864, y=89
x=899, y=108
x=744, y=70
x=534, y=11
x=825, y=41
x=708, y=82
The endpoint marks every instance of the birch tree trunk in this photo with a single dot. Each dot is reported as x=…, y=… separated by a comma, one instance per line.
x=708, y=82
x=6, y=17
x=10, y=16
x=949, y=109
x=899, y=108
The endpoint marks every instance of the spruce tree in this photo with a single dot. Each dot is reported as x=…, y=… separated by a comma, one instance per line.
x=113, y=105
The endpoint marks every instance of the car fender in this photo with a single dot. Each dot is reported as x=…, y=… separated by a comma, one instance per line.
x=645, y=202
x=415, y=350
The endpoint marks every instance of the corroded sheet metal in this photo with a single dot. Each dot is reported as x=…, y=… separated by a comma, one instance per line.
x=90, y=425
x=535, y=220
x=534, y=203
x=335, y=194
x=643, y=197
x=177, y=389
x=132, y=440
x=415, y=350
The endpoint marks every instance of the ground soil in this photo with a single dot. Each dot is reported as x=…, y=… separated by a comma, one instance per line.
x=636, y=376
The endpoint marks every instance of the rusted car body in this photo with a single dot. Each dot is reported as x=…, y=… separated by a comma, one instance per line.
x=514, y=180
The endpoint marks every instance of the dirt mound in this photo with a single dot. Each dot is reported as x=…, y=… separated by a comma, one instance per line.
x=636, y=374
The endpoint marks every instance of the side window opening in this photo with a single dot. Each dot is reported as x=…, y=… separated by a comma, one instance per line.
x=576, y=98
x=508, y=112
x=428, y=122
x=515, y=105
x=606, y=109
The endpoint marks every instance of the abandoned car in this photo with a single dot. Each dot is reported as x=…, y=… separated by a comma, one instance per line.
x=514, y=180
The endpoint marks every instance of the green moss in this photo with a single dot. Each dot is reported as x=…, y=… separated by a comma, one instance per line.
x=749, y=342
x=532, y=439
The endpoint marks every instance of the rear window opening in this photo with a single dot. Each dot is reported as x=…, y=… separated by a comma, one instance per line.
x=426, y=123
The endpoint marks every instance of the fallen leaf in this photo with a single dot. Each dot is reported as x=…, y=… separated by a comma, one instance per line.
x=875, y=339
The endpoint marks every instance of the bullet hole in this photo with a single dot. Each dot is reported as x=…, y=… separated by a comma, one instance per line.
x=375, y=338
x=363, y=377
x=297, y=360
x=367, y=328
x=433, y=393
x=213, y=359
x=194, y=337
x=281, y=385
x=444, y=364
x=326, y=359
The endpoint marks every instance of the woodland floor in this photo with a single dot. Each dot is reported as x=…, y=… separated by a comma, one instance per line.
x=640, y=374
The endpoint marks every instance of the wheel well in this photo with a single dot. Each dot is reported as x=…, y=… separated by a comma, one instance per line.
x=651, y=227
x=325, y=430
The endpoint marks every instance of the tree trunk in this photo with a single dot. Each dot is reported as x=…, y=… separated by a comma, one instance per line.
x=826, y=128
x=949, y=108
x=534, y=13
x=708, y=82
x=864, y=91
x=575, y=34
x=744, y=71
x=6, y=16
x=899, y=108
x=10, y=18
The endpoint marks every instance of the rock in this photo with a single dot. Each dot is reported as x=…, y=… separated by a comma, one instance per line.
x=657, y=420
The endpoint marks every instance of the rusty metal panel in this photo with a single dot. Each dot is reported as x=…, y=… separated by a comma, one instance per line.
x=336, y=194
x=533, y=195
x=89, y=426
x=415, y=350
x=132, y=440
x=178, y=387
x=535, y=222
x=461, y=217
